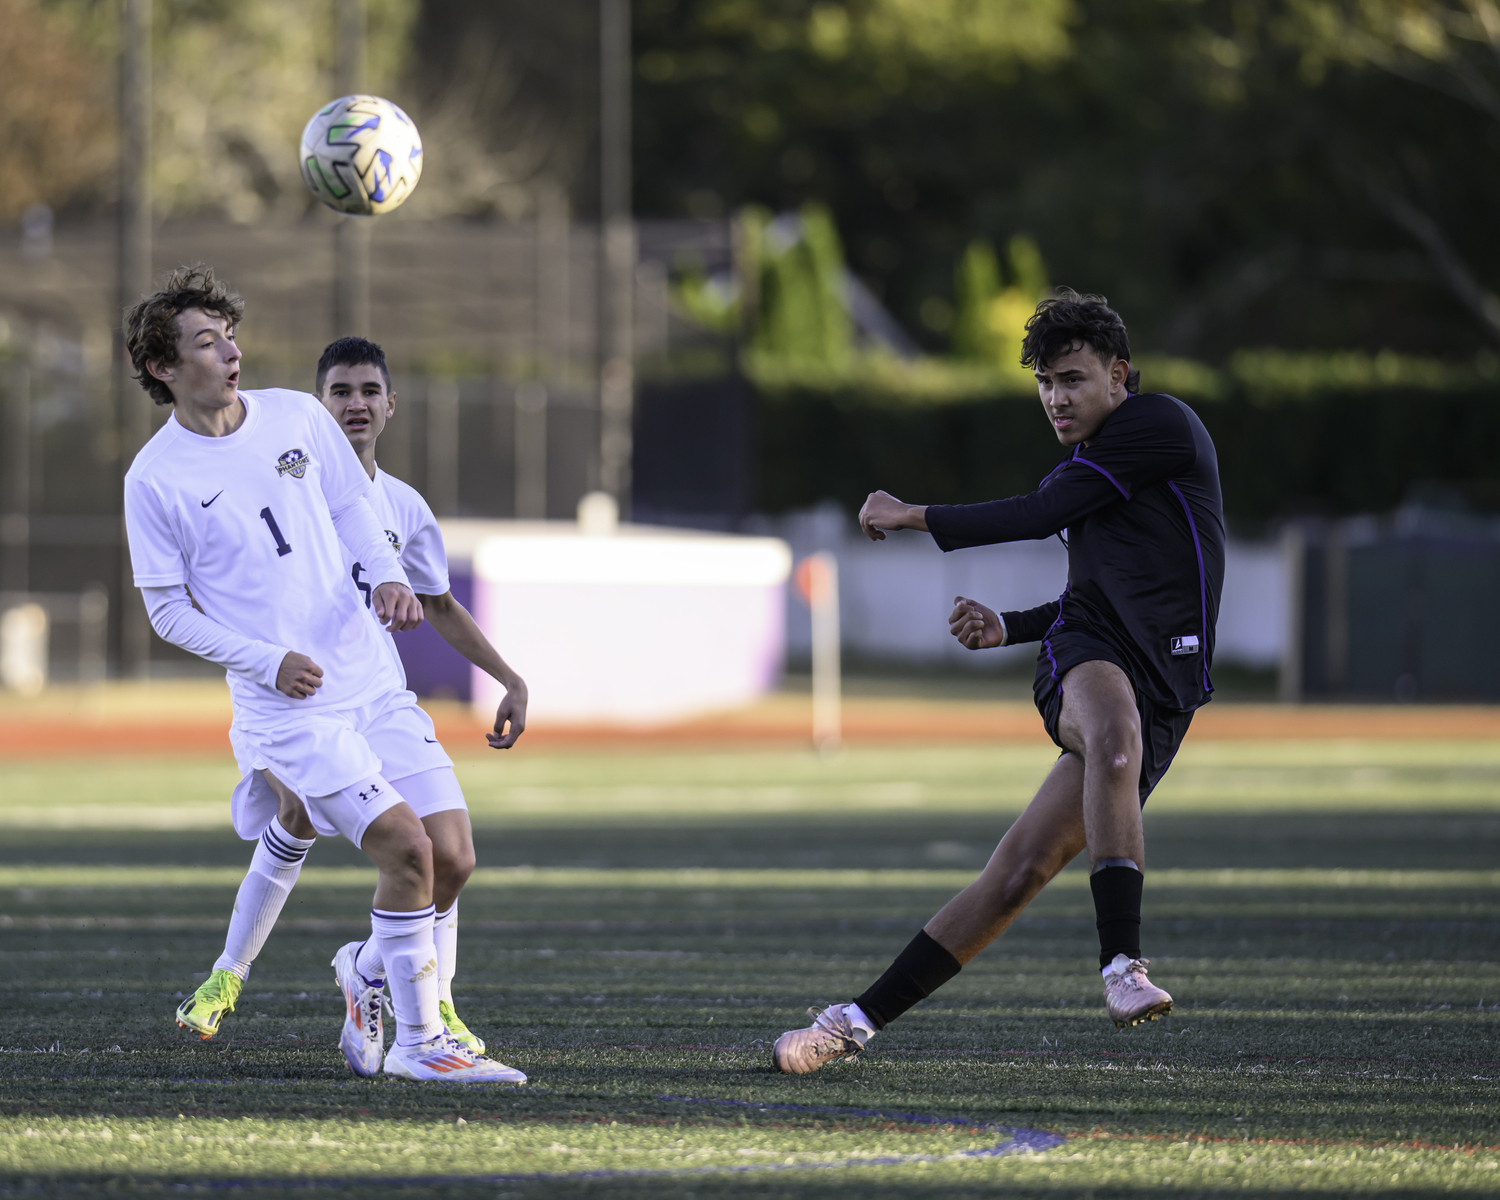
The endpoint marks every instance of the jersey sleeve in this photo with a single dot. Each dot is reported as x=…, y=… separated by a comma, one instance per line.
x=176, y=620
x=424, y=558
x=342, y=476
x=1031, y=624
x=156, y=558
x=1147, y=439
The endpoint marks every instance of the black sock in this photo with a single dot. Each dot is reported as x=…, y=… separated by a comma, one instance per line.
x=1117, y=905
x=919, y=970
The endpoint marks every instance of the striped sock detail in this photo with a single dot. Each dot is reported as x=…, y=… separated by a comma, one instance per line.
x=421, y=914
x=280, y=848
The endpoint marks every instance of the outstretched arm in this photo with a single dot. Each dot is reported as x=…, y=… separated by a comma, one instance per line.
x=459, y=629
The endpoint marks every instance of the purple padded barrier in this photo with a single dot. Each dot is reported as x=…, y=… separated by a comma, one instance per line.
x=434, y=668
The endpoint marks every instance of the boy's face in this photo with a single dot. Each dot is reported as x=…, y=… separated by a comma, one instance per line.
x=207, y=370
x=359, y=402
x=1079, y=390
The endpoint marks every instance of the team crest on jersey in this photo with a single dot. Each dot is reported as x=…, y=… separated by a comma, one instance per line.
x=293, y=463
x=395, y=539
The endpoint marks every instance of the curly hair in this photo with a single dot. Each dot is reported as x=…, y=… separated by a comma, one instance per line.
x=1067, y=320
x=151, y=323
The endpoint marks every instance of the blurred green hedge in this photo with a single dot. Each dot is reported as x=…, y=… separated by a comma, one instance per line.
x=1295, y=434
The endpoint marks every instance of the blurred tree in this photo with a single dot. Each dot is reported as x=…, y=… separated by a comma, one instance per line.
x=233, y=86
x=991, y=320
x=976, y=283
x=235, y=83
x=56, y=115
x=1183, y=159
x=1448, y=47
x=804, y=317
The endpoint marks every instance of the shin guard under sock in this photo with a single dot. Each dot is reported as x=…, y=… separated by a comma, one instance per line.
x=369, y=963
x=919, y=970
x=274, y=868
x=410, y=961
x=1117, y=907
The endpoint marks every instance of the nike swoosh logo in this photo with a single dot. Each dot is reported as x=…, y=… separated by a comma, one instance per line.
x=215, y=496
x=432, y=740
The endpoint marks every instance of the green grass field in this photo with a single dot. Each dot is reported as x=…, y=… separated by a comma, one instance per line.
x=1327, y=915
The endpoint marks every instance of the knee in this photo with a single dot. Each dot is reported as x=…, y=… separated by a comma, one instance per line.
x=1115, y=745
x=1016, y=874
x=1025, y=879
x=414, y=860
x=451, y=868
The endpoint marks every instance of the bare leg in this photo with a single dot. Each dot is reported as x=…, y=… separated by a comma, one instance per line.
x=289, y=809
x=1044, y=839
x=1089, y=799
x=402, y=852
x=1100, y=723
x=397, y=843
x=452, y=854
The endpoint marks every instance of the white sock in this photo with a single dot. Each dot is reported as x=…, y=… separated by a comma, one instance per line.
x=410, y=962
x=369, y=962
x=862, y=1024
x=274, y=868
x=445, y=938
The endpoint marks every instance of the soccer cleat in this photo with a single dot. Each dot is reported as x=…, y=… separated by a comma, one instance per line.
x=458, y=1031
x=443, y=1058
x=204, y=1009
x=362, y=1038
x=1129, y=997
x=830, y=1036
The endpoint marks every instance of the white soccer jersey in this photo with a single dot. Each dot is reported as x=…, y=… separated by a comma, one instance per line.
x=413, y=533
x=246, y=523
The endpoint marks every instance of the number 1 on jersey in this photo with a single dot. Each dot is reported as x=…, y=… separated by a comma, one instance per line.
x=282, y=549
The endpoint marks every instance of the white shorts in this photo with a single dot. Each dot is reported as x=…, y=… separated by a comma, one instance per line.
x=320, y=753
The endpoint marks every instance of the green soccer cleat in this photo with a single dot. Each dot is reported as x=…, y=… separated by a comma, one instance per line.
x=458, y=1031
x=204, y=1009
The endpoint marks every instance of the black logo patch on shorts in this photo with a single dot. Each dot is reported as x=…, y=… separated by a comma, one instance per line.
x=367, y=796
x=1185, y=645
x=293, y=463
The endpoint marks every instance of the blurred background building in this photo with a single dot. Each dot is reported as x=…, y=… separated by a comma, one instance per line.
x=737, y=264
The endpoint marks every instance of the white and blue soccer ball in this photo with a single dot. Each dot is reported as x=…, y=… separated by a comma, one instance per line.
x=361, y=155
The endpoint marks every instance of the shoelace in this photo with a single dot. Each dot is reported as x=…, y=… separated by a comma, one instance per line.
x=1134, y=975
x=838, y=1029
x=371, y=1001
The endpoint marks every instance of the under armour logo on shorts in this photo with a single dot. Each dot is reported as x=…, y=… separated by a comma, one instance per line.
x=371, y=794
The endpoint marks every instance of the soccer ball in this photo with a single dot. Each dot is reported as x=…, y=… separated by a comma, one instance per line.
x=361, y=155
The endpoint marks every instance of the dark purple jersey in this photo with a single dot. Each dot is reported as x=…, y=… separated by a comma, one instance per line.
x=1141, y=512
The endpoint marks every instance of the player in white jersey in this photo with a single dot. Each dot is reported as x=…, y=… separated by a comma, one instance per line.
x=235, y=511
x=354, y=384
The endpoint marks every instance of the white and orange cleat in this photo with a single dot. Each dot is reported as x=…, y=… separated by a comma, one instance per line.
x=831, y=1036
x=363, y=1037
x=445, y=1058
x=1129, y=997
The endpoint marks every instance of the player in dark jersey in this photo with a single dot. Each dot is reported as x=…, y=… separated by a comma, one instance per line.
x=1124, y=661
